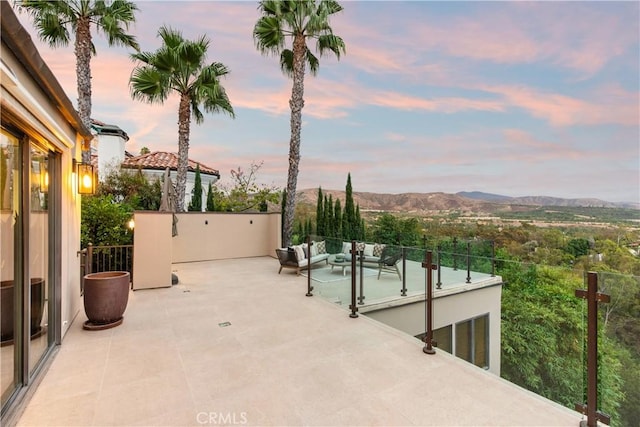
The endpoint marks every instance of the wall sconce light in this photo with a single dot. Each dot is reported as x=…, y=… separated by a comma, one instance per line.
x=44, y=179
x=86, y=179
x=131, y=224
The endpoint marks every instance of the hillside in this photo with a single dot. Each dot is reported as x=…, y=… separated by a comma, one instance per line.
x=544, y=200
x=463, y=202
x=405, y=202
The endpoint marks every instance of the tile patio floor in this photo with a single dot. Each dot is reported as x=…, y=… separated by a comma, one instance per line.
x=284, y=360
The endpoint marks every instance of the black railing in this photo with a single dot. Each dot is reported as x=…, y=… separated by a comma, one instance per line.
x=96, y=259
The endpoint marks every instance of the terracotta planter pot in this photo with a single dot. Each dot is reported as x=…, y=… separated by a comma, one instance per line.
x=105, y=299
x=7, y=311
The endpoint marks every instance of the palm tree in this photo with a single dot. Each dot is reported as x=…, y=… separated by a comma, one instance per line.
x=179, y=65
x=55, y=20
x=299, y=20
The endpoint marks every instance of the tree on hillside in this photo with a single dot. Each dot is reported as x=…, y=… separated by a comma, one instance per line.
x=179, y=66
x=56, y=21
x=196, y=194
x=300, y=20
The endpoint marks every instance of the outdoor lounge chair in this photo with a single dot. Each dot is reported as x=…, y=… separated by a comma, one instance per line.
x=389, y=260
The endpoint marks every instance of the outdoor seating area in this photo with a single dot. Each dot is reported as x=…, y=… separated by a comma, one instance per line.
x=384, y=258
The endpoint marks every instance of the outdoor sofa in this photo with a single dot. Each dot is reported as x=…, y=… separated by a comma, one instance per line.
x=375, y=255
x=299, y=256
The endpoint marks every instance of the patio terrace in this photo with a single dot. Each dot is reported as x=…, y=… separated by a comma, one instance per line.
x=284, y=359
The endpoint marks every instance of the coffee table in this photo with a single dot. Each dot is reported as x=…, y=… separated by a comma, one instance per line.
x=343, y=264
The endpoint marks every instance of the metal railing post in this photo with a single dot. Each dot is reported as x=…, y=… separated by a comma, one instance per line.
x=361, y=269
x=89, y=267
x=309, y=287
x=439, y=251
x=493, y=258
x=593, y=297
x=455, y=249
x=428, y=347
x=353, y=306
x=468, y=262
x=403, y=291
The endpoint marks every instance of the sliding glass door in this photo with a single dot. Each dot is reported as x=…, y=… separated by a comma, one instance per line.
x=10, y=289
x=26, y=254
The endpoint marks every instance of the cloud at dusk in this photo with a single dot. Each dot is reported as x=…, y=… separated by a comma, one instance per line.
x=514, y=98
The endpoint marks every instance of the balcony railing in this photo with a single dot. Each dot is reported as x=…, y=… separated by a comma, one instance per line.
x=544, y=327
x=96, y=259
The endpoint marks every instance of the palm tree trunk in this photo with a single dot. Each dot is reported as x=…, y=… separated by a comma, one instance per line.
x=184, y=124
x=83, y=76
x=296, y=103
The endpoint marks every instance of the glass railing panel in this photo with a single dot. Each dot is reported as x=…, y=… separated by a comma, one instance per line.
x=542, y=331
x=619, y=348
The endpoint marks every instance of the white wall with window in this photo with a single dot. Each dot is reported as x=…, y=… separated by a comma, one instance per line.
x=466, y=323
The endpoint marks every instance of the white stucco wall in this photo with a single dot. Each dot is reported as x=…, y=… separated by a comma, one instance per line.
x=110, y=150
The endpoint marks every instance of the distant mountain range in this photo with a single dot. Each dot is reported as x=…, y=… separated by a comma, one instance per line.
x=545, y=200
x=473, y=202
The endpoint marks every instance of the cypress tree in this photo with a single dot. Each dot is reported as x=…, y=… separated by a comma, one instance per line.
x=210, y=205
x=338, y=218
x=320, y=214
x=349, y=224
x=328, y=209
x=196, y=194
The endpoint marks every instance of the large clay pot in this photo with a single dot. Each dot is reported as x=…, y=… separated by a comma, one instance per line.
x=7, y=311
x=105, y=298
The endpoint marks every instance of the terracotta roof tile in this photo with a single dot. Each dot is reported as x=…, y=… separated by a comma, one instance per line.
x=160, y=160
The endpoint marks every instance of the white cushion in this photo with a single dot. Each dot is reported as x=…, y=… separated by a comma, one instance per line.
x=368, y=250
x=299, y=252
x=314, y=250
x=346, y=247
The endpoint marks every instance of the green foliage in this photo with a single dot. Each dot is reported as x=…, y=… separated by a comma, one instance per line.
x=196, y=194
x=210, y=204
x=320, y=219
x=132, y=188
x=578, y=247
x=390, y=229
x=349, y=225
x=543, y=329
x=104, y=221
x=244, y=193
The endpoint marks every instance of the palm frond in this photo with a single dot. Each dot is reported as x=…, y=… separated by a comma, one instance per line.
x=268, y=35
x=331, y=42
x=149, y=85
x=313, y=62
x=286, y=62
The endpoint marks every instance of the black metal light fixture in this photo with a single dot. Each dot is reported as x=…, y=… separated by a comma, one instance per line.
x=86, y=179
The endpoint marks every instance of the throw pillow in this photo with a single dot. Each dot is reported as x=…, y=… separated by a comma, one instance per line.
x=322, y=247
x=346, y=247
x=299, y=253
x=377, y=249
x=305, y=248
x=368, y=250
x=360, y=246
x=314, y=249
